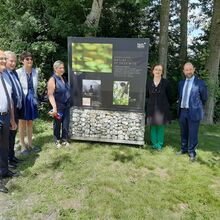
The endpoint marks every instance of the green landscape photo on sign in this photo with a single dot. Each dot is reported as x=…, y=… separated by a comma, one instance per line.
x=92, y=57
x=121, y=90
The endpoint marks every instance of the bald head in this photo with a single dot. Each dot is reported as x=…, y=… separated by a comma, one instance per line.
x=188, y=64
x=2, y=61
x=188, y=70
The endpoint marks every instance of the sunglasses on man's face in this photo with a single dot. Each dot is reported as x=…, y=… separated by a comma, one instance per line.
x=28, y=59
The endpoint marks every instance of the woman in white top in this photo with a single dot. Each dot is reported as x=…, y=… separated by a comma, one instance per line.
x=29, y=80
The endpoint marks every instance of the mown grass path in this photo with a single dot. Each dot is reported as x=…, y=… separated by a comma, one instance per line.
x=106, y=181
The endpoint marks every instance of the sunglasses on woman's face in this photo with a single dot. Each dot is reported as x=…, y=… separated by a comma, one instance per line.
x=28, y=59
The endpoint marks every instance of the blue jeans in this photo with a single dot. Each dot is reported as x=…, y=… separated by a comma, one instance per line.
x=189, y=133
x=64, y=123
x=4, y=143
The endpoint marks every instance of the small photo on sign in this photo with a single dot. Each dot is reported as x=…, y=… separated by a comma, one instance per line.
x=121, y=91
x=91, y=89
x=86, y=101
x=92, y=57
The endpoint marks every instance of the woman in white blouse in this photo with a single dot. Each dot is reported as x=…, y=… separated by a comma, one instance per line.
x=29, y=80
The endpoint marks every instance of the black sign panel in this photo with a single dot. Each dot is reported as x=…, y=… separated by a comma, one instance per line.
x=108, y=73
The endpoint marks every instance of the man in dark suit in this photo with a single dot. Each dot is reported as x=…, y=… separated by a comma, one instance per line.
x=192, y=98
x=18, y=100
x=6, y=121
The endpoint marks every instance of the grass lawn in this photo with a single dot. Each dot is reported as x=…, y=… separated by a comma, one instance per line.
x=108, y=181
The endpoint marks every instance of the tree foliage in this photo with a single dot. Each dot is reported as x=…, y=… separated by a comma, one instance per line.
x=42, y=27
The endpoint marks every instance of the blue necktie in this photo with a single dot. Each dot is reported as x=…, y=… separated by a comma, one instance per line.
x=185, y=95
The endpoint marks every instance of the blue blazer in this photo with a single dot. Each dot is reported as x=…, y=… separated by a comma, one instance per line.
x=197, y=99
x=20, y=112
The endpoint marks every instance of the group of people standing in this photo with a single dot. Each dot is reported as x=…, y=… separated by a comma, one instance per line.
x=192, y=97
x=19, y=108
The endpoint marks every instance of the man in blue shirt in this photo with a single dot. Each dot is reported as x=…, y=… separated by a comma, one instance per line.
x=192, y=98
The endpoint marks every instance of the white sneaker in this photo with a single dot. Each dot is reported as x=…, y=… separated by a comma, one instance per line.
x=58, y=145
x=65, y=143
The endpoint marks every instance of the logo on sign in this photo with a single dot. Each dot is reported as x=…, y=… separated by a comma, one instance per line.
x=140, y=45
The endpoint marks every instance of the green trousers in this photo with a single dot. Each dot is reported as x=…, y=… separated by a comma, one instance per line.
x=157, y=136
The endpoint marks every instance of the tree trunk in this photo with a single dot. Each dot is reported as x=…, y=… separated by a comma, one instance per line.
x=183, y=31
x=164, y=23
x=92, y=19
x=212, y=62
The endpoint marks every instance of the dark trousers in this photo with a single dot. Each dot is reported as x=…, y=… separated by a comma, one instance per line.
x=4, y=143
x=189, y=132
x=12, y=135
x=64, y=123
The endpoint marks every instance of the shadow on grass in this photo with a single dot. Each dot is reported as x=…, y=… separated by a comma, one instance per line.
x=213, y=162
x=43, y=140
x=209, y=142
x=124, y=155
x=120, y=152
x=90, y=145
x=60, y=162
x=209, y=137
x=29, y=160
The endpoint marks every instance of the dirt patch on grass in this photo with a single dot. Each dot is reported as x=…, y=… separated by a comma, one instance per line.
x=71, y=204
x=77, y=202
x=183, y=206
x=162, y=172
x=215, y=186
x=111, y=190
x=5, y=204
x=30, y=201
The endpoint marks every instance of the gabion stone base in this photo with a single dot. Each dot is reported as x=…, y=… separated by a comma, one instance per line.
x=107, y=126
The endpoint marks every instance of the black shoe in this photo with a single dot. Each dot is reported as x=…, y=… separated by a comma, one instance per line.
x=180, y=153
x=35, y=149
x=15, y=159
x=12, y=161
x=3, y=189
x=10, y=174
x=12, y=165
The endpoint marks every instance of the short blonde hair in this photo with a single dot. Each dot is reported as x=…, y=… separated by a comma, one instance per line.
x=57, y=64
x=10, y=53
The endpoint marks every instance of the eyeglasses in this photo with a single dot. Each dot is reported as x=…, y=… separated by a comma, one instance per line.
x=27, y=59
x=3, y=58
